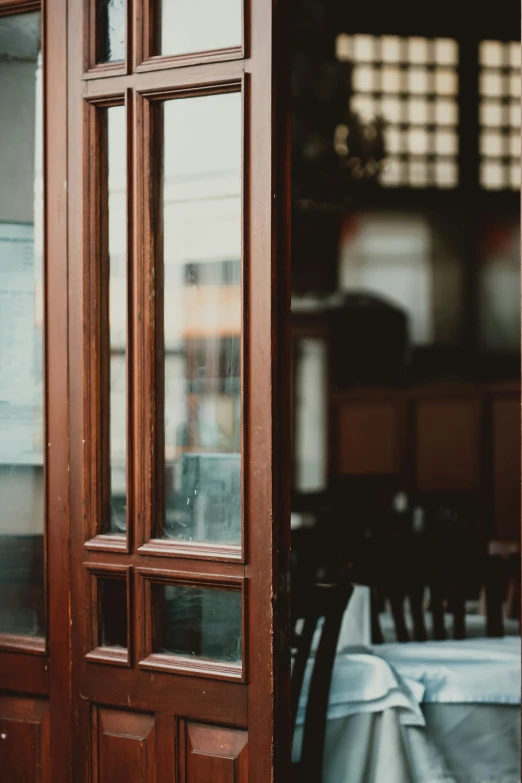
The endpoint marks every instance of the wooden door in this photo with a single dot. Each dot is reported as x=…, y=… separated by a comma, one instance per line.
x=179, y=412
x=34, y=609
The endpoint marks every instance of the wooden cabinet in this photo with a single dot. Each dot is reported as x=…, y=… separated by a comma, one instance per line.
x=440, y=439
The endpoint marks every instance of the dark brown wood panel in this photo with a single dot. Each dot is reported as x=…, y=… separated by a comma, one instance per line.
x=24, y=740
x=123, y=747
x=447, y=444
x=24, y=673
x=505, y=415
x=196, y=698
x=213, y=754
x=370, y=438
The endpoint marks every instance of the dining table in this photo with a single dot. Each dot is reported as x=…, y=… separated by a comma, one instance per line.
x=419, y=712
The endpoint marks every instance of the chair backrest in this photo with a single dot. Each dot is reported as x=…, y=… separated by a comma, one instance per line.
x=327, y=601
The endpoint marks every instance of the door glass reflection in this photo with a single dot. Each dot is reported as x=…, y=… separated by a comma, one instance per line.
x=117, y=272
x=199, y=25
x=202, y=318
x=21, y=329
x=112, y=596
x=198, y=622
x=111, y=30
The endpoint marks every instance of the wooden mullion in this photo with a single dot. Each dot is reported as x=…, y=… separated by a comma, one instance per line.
x=130, y=327
x=167, y=80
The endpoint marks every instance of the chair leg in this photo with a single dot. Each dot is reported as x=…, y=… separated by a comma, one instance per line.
x=397, y=607
x=437, y=611
x=416, y=597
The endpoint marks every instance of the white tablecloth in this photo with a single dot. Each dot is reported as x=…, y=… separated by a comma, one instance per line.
x=431, y=712
x=460, y=744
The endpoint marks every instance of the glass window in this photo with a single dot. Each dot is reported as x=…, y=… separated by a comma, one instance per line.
x=188, y=26
x=111, y=30
x=198, y=622
x=21, y=329
x=116, y=217
x=112, y=598
x=202, y=317
x=411, y=83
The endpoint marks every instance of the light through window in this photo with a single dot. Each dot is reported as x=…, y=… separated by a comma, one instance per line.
x=412, y=83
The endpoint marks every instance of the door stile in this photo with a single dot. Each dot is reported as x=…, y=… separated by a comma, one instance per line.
x=269, y=398
x=56, y=312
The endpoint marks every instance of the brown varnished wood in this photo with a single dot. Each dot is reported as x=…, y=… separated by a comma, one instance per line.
x=23, y=673
x=268, y=396
x=24, y=746
x=58, y=668
x=197, y=698
x=19, y=6
x=81, y=518
x=177, y=78
x=123, y=746
x=95, y=651
x=215, y=754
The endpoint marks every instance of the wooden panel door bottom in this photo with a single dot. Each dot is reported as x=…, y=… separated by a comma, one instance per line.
x=24, y=740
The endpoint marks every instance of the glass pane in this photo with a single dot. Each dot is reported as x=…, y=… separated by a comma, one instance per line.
x=117, y=263
x=198, y=622
x=199, y=25
x=21, y=328
x=202, y=317
x=112, y=597
x=446, y=51
x=111, y=30
x=390, y=49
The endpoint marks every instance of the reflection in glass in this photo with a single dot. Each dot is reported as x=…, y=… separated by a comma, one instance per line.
x=111, y=30
x=198, y=622
x=21, y=329
x=199, y=25
x=202, y=317
x=112, y=597
x=117, y=271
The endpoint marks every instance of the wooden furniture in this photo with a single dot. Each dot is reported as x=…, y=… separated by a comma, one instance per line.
x=80, y=704
x=326, y=602
x=436, y=439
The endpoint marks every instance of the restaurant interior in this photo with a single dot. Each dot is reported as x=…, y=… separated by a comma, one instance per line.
x=405, y=507
x=406, y=392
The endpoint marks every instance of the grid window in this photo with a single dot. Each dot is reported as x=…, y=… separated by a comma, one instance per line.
x=500, y=115
x=412, y=83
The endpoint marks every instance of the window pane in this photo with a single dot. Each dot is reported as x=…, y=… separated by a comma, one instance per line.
x=21, y=328
x=111, y=30
x=202, y=317
x=199, y=25
x=198, y=622
x=117, y=263
x=112, y=596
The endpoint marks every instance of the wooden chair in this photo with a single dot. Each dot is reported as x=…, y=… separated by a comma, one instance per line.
x=327, y=601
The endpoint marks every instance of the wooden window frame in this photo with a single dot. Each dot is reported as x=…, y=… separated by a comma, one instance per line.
x=99, y=653
x=96, y=437
x=92, y=68
x=18, y=643
x=181, y=664
x=151, y=505
x=146, y=29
